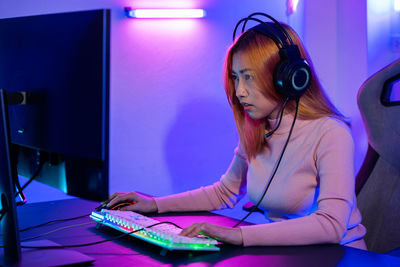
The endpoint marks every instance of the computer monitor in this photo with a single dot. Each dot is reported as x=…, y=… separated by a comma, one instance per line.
x=61, y=64
x=9, y=226
x=11, y=254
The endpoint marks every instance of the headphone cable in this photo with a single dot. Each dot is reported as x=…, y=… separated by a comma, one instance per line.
x=275, y=170
x=280, y=119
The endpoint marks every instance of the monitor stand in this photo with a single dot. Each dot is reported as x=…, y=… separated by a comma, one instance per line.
x=50, y=257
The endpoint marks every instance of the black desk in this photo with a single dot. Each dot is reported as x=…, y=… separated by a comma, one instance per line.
x=129, y=251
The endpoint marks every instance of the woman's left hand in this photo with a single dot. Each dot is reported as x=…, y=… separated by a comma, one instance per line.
x=224, y=234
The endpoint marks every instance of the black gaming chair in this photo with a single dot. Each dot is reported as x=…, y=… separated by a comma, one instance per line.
x=378, y=181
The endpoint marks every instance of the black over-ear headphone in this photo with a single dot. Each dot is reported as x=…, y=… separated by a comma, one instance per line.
x=292, y=75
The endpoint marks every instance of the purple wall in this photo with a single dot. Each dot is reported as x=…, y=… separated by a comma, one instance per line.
x=171, y=126
x=336, y=35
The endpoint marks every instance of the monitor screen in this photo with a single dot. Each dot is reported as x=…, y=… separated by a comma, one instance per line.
x=61, y=63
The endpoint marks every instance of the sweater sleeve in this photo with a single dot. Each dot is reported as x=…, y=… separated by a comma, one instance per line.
x=329, y=223
x=222, y=194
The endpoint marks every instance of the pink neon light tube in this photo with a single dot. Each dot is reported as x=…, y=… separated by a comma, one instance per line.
x=166, y=13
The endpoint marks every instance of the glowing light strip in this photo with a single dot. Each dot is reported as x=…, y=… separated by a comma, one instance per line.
x=165, y=13
x=396, y=5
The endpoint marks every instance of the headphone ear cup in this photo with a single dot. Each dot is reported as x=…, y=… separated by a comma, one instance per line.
x=292, y=78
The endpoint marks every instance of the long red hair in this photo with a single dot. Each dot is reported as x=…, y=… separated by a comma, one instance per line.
x=263, y=53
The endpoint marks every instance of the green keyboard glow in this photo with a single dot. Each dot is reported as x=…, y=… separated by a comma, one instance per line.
x=163, y=235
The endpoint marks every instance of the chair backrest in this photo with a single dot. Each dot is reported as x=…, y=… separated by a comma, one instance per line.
x=379, y=197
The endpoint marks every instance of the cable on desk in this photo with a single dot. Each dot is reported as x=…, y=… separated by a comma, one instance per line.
x=58, y=220
x=58, y=229
x=98, y=242
x=20, y=189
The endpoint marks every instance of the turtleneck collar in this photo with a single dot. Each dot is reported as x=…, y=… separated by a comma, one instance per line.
x=286, y=123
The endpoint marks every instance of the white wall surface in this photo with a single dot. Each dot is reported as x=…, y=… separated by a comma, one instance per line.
x=335, y=33
x=350, y=40
x=383, y=34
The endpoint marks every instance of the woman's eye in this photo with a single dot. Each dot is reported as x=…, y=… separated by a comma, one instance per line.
x=234, y=77
x=248, y=77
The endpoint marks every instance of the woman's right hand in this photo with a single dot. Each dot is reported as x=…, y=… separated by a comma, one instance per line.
x=141, y=203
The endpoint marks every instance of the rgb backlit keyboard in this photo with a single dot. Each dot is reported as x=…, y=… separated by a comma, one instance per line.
x=163, y=235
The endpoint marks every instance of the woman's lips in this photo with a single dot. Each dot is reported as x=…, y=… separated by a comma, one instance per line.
x=247, y=106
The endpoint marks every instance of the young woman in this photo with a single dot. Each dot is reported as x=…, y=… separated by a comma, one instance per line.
x=310, y=199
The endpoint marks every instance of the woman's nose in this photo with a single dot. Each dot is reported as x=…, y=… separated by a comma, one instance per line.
x=241, y=90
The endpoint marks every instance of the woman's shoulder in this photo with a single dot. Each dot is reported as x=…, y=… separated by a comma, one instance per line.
x=326, y=127
x=330, y=123
x=332, y=128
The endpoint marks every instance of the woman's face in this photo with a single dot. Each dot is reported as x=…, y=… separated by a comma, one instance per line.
x=256, y=104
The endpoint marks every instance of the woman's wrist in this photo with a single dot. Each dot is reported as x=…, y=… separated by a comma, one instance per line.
x=154, y=204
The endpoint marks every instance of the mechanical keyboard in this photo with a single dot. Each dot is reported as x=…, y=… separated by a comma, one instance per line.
x=164, y=235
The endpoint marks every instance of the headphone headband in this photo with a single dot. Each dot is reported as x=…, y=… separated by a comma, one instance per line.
x=292, y=74
x=281, y=28
x=273, y=34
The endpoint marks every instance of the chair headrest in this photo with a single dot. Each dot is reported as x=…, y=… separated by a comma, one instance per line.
x=382, y=122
